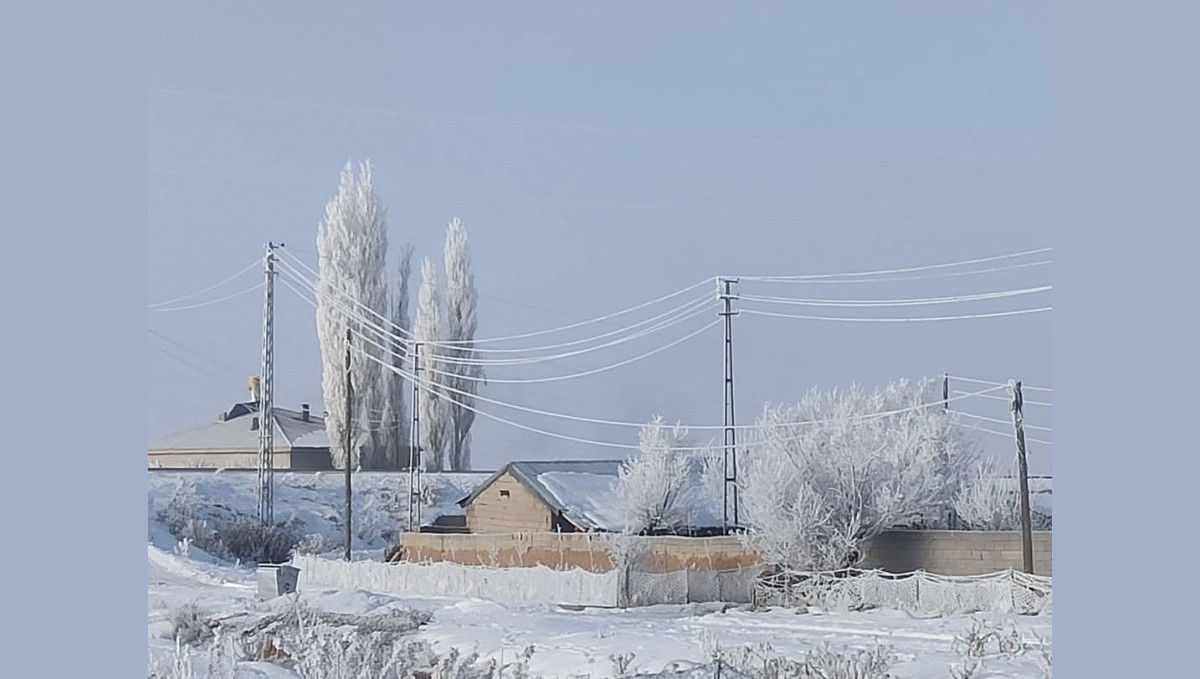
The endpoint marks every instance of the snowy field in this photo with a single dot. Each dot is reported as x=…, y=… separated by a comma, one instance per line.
x=552, y=641
x=312, y=501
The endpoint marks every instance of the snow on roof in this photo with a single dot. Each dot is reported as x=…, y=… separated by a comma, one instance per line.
x=235, y=435
x=588, y=500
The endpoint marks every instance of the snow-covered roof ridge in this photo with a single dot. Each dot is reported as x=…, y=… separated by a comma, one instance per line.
x=234, y=433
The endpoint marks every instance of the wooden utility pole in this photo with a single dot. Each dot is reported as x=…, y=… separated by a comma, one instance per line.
x=946, y=391
x=349, y=445
x=1023, y=472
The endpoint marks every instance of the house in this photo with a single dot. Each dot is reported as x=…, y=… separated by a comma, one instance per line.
x=232, y=442
x=563, y=496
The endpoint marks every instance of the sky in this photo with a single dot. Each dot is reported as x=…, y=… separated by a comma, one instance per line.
x=602, y=155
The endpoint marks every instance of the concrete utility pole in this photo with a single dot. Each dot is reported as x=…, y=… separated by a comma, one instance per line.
x=414, y=448
x=349, y=447
x=1023, y=471
x=266, y=414
x=729, y=517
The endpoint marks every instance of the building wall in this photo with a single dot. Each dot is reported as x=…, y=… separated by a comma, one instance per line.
x=507, y=506
x=940, y=552
x=211, y=460
x=587, y=551
x=310, y=459
x=955, y=552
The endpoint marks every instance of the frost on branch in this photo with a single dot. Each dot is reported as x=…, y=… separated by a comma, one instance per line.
x=985, y=502
x=428, y=330
x=659, y=487
x=465, y=376
x=351, y=284
x=843, y=466
x=395, y=420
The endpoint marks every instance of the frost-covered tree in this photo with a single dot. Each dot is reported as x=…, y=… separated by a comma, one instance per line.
x=985, y=502
x=840, y=467
x=395, y=420
x=659, y=486
x=460, y=322
x=428, y=329
x=352, y=251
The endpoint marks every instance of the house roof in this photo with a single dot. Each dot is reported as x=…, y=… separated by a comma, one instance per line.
x=582, y=491
x=235, y=435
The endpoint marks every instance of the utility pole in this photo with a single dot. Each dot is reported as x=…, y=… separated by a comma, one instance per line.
x=729, y=516
x=946, y=392
x=414, y=457
x=349, y=446
x=266, y=414
x=1023, y=471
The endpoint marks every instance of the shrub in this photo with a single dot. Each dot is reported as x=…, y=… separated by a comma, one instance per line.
x=248, y=540
x=188, y=626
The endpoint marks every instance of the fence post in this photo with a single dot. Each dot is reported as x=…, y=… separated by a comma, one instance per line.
x=1012, y=589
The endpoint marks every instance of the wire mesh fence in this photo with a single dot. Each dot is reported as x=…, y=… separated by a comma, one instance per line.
x=1007, y=591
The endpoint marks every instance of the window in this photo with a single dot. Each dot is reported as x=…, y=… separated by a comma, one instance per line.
x=504, y=493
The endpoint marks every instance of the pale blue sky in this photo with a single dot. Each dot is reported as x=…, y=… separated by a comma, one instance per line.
x=600, y=156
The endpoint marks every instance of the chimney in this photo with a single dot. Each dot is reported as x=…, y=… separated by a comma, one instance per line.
x=304, y=412
x=222, y=416
x=254, y=423
x=255, y=390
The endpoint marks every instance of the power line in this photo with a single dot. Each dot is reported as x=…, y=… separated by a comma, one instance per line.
x=571, y=326
x=1009, y=400
x=682, y=312
x=210, y=288
x=387, y=351
x=999, y=421
x=546, y=413
x=223, y=366
x=1009, y=434
x=974, y=380
x=422, y=385
x=894, y=302
x=370, y=326
x=927, y=267
x=211, y=301
x=888, y=279
x=997, y=314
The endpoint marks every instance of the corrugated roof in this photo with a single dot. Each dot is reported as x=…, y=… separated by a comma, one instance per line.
x=236, y=436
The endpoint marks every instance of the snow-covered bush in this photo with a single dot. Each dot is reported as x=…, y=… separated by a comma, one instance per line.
x=189, y=626
x=985, y=502
x=317, y=544
x=842, y=466
x=248, y=540
x=184, y=519
x=660, y=486
x=761, y=661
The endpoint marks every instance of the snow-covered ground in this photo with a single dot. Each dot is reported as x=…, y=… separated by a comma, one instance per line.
x=565, y=642
x=313, y=501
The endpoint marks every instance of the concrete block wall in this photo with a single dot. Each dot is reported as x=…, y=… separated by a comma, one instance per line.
x=952, y=552
x=940, y=552
x=507, y=506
